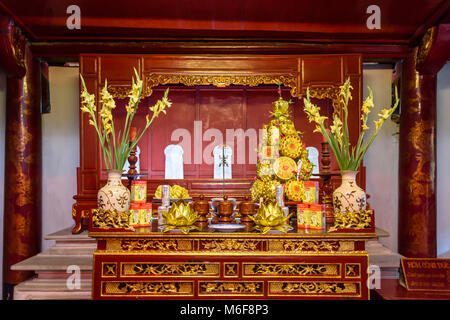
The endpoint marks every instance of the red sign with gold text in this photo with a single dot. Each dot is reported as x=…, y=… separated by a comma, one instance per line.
x=426, y=274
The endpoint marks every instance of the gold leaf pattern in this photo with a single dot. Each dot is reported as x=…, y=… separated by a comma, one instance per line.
x=221, y=80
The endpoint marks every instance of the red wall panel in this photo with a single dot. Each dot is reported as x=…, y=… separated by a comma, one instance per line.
x=219, y=113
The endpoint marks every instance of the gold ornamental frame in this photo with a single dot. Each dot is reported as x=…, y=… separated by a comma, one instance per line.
x=221, y=81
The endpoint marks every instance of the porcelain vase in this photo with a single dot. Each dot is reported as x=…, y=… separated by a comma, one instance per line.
x=349, y=197
x=114, y=195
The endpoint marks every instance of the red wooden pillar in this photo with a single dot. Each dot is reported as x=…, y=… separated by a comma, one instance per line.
x=417, y=157
x=22, y=189
x=417, y=166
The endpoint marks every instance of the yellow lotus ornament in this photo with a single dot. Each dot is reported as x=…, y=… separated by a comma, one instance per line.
x=181, y=216
x=270, y=216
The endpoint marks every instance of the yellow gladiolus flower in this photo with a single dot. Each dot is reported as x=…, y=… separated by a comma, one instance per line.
x=385, y=113
x=312, y=111
x=88, y=101
x=344, y=91
x=378, y=123
x=368, y=103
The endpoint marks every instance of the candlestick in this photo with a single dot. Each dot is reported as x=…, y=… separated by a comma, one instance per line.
x=133, y=133
x=323, y=137
x=327, y=187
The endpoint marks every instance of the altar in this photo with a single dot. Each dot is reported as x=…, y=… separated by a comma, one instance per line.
x=214, y=94
x=149, y=264
x=225, y=66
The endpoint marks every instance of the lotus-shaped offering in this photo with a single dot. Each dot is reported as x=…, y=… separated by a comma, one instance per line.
x=270, y=216
x=181, y=216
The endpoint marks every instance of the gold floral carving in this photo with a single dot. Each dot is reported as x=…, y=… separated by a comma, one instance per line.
x=221, y=80
x=311, y=245
x=419, y=182
x=297, y=269
x=151, y=288
x=231, y=287
x=425, y=45
x=120, y=92
x=171, y=269
x=152, y=245
x=352, y=220
x=327, y=93
x=108, y=219
x=314, y=287
x=231, y=245
x=21, y=137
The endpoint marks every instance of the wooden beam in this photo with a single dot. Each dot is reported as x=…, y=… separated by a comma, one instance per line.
x=71, y=50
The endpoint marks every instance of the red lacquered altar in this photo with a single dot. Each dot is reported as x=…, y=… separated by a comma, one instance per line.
x=205, y=57
x=222, y=92
x=301, y=264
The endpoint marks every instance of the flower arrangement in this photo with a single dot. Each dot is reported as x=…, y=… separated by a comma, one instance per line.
x=117, y=147
x=337, y=135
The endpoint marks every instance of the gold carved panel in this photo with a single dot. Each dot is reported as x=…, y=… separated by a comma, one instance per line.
x=231, y=269
x=352, y=220
x=120, y=92
x=291, y=269
x=147, y=288
x=220, y=80
x=149, y=245
x=109, y=219
x=109, y=269
x=352, y=270
x=327, y=93
x=289, y=245
x=244, y=288
x=231, y=245
x=314, y=288
x=171, y=269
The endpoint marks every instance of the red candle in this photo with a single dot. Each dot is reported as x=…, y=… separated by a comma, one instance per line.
x=323, y=137
x=133, y=132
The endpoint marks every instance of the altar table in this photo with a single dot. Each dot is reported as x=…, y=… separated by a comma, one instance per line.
x=149, y=264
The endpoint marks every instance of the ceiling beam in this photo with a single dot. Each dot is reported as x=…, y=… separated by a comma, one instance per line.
x=71, y=49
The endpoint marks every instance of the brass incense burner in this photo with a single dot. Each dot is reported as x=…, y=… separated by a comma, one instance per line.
x=246, y=209
x=225, y=210
x=201, y=206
